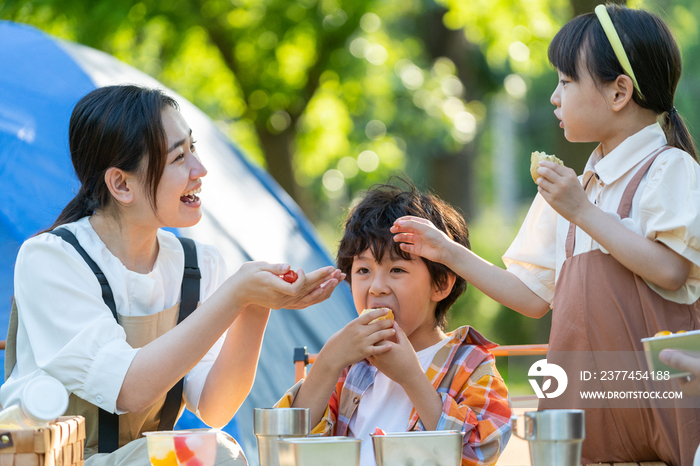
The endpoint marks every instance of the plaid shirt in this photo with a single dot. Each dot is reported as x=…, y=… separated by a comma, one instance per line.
x=474, y=397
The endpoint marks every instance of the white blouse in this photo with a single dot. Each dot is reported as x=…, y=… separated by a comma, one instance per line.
x=665, y=208
x=67, y=331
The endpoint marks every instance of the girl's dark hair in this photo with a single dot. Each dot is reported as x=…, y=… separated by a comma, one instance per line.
x=652, y=52
x=115, y=126
x=368, y=223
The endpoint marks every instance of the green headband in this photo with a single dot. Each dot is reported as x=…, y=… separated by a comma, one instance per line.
x=616, y=43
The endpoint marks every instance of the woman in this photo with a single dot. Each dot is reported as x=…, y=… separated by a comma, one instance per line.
x=113, y=342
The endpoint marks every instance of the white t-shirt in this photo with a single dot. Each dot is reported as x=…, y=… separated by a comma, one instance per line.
x=665, y=208
x=67, y=331
x=385, y=405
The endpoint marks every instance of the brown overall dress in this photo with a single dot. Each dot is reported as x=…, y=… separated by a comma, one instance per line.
x=601, y=306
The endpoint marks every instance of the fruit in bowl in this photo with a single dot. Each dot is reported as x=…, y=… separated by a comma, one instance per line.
x=683, y=340
x=665, y=333
x=182, y=447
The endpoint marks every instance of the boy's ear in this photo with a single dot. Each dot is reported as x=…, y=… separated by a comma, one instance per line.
x=621, y=92
x=440, y=293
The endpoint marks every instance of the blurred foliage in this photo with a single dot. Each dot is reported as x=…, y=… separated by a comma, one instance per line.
x=331, y=96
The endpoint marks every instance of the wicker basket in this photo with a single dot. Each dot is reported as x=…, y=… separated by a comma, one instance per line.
x=59, y=444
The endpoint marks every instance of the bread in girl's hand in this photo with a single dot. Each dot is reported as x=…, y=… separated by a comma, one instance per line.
x=538, y=157
x=390, y=315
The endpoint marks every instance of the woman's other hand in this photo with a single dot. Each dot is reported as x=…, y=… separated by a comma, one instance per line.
x=320, y=286
x=685, y=362
x=261, y=283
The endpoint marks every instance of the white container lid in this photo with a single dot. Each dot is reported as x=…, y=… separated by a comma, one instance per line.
x=44, y=398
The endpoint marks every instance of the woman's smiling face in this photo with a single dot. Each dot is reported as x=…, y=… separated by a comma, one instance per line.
x=178, y=205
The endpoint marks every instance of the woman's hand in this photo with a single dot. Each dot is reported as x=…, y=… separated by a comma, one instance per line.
x=561, y=188
x=356, y=341
x=319, y=287
x=687, y=363
x=420, y=237
x=260, y=283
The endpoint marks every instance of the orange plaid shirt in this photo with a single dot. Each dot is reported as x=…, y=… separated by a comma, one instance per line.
x=463, y=372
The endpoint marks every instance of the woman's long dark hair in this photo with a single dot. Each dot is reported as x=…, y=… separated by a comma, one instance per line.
x=653, y=54
x=115, y=126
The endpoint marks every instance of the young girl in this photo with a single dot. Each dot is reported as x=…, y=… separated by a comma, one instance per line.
x=615, y=252
x=99, y=295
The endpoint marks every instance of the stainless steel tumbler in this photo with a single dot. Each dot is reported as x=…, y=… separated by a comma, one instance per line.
x=554, y=436
x=271, y=424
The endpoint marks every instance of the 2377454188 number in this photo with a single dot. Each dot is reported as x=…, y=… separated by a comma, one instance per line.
x=625, y=375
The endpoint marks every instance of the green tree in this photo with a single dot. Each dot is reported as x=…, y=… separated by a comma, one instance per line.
x=331, y=96
x=328, y=96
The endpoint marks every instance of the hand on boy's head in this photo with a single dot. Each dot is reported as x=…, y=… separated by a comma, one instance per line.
x=561, y=188
x=401, y=364
x=420, y=237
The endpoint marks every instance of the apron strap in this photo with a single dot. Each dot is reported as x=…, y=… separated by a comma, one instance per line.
x=189, y=292
x=189, y=297
x=571, y=235
x=107, y=295
x=625, y=203
x=108, y=423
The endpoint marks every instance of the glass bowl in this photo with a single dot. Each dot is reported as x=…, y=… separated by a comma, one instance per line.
x=182, y=447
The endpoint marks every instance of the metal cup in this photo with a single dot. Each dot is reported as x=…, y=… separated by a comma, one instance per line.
x=554, y=436
x=270, y=424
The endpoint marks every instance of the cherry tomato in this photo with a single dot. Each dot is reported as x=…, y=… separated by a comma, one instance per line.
x=378, y=431
x=290, y=277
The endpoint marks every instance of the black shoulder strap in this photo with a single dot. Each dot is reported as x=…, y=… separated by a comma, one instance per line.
x=108, y=423
x=108, y=433
x=189, y=292
x=107, y=295
x=189, y=297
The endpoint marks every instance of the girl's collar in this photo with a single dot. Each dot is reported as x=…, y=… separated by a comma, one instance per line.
x=627, y=155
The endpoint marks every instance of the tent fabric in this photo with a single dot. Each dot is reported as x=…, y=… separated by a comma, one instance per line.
x=246, y=215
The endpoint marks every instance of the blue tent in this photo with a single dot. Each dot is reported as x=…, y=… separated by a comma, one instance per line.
x=246, y=215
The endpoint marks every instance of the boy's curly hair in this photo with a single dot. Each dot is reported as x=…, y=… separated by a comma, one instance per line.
x=368, y=223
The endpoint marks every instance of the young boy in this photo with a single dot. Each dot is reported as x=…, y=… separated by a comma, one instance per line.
x=404, y=374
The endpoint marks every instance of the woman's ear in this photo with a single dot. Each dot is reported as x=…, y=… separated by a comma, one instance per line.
x=621, y=92
x=440, y=293
x=120, y=185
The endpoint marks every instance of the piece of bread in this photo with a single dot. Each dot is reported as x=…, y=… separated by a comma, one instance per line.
x=390, y=315
x=535, y=160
